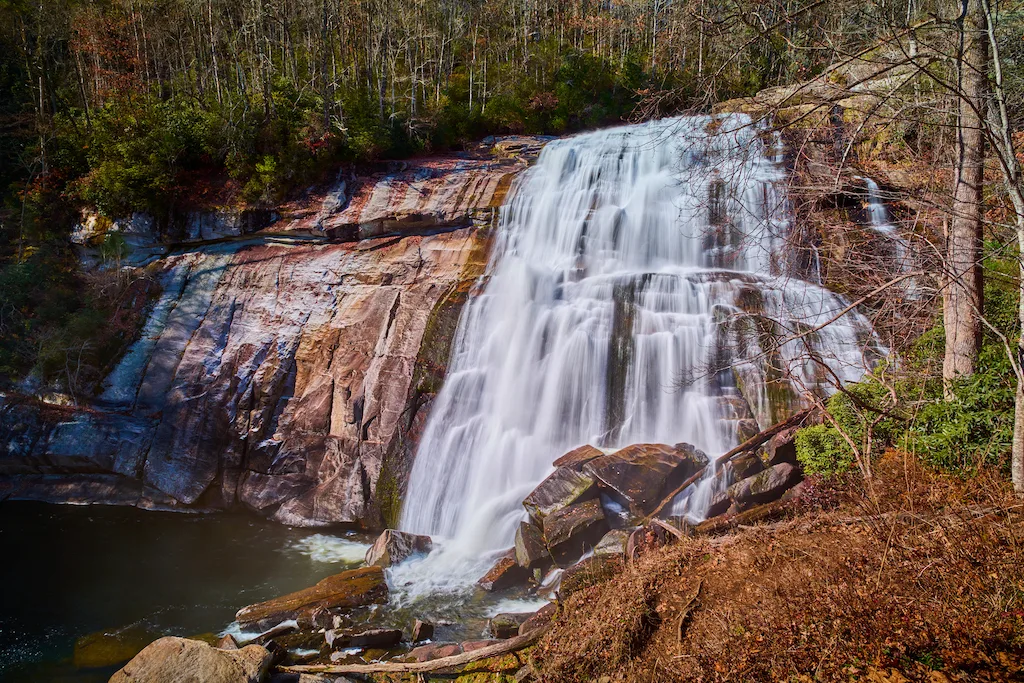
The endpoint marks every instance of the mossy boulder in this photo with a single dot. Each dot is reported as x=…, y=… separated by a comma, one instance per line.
x=562, y=488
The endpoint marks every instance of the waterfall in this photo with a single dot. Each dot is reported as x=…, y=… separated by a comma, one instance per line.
x=878, y=215
x=638, y=291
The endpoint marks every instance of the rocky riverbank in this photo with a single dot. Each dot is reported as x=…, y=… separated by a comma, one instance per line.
x=594, y=515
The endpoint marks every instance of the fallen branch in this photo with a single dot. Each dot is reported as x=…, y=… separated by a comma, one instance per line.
x=503, y=648
x=751, y=443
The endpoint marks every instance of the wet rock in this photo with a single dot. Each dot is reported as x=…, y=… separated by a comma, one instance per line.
x=577, y=458
x=471, y=645
x=422, y=630
x=541, y=617
x=562, y=488
x=425, y=653
x=227, y=642
x=392, y=546
x=372, y=638
x=270, y=634
x=530, y=549
x=639, y=476
x=574, y=530
x=506, y=624
x=180, y=659
x=612, y=543
x=766, y=486
x=505, y=573
x=353, y=588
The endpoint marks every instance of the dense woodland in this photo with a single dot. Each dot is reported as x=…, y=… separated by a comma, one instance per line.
x=160, y=105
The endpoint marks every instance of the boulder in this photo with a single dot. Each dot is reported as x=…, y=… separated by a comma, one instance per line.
x=376, y=637
x=766, y=486
x=392, y=546
x=746, y=465
x=574, y=530
x=577, y=458
x=506, y=624
x=639, y=476
x=719, y=505
x=505, y=573
x=181, y=660
x=782, y=447
x=612, y=543
x=422, y=630
x=425, y=653
x=562, y=488
x=354, y=588
x=470, y=645
x=530, y=549
x=541, y=617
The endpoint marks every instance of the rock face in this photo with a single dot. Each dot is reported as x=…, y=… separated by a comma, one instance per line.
x=392, y=546
x=180, y=660
x=285, y=372
x=353, y=588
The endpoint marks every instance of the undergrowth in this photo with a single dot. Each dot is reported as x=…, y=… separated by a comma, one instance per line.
x=923, y=581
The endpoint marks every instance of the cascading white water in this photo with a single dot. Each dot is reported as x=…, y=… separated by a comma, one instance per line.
x=638, y=292
x=878, y=214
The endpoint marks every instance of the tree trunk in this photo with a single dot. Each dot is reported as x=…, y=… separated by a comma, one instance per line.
x=963, y=296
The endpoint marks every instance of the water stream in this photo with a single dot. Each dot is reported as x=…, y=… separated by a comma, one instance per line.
x=640, y=290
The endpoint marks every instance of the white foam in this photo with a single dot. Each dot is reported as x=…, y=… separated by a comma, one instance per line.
x=331, y=549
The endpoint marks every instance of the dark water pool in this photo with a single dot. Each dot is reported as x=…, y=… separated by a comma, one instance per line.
x=70, y=572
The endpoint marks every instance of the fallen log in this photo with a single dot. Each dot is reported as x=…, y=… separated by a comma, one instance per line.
x=753, y=442
x=497, y=650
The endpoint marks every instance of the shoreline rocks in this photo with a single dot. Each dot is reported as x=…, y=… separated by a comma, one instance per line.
x=181, y=659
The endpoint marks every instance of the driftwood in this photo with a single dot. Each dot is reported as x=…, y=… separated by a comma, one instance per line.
x=497, y=650
x=751, y=443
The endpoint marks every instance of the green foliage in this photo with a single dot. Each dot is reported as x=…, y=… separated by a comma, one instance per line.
x=821, y=450
x=958, y=432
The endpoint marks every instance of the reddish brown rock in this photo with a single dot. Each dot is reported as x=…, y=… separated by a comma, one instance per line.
x=349, y=589
x=640, y=475
x=425, y=653
x=578, y=457
x=541, y=617
x=470, y=645
x=505, y=574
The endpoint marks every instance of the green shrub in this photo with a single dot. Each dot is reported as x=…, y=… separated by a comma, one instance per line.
x=821, y=450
